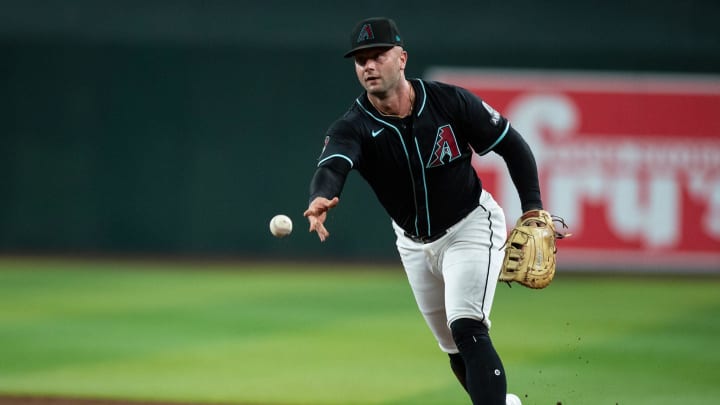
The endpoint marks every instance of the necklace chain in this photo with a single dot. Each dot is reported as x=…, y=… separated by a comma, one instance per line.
x=410, y=99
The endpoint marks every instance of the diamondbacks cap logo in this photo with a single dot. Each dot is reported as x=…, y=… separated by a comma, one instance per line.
x=366, y=33
x=446, y=148
x=373, y=32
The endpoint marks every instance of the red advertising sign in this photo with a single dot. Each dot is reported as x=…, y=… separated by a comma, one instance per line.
x=632, y=162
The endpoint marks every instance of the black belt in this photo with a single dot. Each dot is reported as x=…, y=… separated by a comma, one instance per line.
x=426, y=239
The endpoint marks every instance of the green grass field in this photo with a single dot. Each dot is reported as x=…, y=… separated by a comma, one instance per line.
x=303, y=334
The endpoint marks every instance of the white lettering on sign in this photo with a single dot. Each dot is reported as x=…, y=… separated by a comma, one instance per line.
x=704, y=186
x=640, y=181
x=653, y=218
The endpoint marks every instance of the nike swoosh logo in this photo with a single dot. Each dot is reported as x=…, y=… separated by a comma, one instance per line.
x=376, y=133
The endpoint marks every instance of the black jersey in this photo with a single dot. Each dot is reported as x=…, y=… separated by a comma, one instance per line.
x=419, y=166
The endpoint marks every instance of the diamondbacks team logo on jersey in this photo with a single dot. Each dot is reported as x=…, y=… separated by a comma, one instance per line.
x=366, y=33
x=446, y=148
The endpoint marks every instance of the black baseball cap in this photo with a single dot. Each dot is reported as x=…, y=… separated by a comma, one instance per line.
x=374, y=32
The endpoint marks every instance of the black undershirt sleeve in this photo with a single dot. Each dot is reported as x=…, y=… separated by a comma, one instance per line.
x=329, y=179
x=522, y=167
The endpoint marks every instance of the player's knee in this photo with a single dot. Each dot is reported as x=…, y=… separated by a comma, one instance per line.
x=466, y=331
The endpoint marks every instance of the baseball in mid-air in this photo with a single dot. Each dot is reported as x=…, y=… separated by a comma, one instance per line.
x=280, y=226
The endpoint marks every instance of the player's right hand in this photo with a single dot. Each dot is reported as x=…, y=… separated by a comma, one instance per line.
x=317, y=214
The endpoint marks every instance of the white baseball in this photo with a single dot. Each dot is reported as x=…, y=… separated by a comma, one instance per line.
x=280, y=226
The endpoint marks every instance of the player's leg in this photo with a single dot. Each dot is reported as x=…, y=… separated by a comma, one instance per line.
x=429, y=296
x=485, y=375
x=471, y=265
x=427, y=286
x=457, y=365
x=429, y=291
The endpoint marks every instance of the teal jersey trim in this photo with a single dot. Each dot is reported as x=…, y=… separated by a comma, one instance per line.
x=497, y=141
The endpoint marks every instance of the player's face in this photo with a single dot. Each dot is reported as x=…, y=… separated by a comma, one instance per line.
x=379, y=70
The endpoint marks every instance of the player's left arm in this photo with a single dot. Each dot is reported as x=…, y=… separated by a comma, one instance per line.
x=530, y=248
x=489, y=131
x=522, y=168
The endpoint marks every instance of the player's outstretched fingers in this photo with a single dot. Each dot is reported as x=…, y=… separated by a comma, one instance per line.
x=317, y=226
x=332, y=203
x=317, y=213
x=320, y=205
x=322, y=232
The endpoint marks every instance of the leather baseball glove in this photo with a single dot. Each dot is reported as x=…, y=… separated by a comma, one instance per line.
x=530, y=250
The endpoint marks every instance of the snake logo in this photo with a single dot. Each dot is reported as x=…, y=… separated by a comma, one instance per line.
x=446, y=147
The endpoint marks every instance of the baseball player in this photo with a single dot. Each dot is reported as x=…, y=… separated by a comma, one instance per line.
x=412, y=141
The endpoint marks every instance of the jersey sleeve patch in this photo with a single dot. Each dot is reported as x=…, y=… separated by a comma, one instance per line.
x=494, y=115
x=325, y=144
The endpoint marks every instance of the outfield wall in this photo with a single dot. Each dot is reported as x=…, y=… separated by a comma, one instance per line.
x=630, y=161
x=181, y=127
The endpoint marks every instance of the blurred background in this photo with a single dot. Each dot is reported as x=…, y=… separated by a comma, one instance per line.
x=179, y=128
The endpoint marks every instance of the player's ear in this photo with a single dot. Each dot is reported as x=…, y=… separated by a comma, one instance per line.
x=403, y=58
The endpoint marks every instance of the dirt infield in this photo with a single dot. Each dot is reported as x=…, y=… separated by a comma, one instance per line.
x=41, y=400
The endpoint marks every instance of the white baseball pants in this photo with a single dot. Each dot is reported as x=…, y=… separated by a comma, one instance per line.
x=455, y=276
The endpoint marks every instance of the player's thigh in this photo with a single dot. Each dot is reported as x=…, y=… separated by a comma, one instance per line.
x=469, y=285
x=471, y=266
x=429, y=291
x=426, y=285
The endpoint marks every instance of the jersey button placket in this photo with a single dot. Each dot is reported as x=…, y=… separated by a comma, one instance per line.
x=420, y=192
